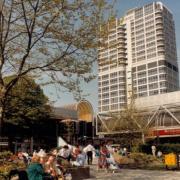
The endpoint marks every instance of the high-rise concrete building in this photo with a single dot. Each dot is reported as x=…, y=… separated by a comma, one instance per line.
x=140, y=57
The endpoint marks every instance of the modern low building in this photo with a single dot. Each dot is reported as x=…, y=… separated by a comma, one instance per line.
x=71, y=122
x=162, y=113
x=74, y=121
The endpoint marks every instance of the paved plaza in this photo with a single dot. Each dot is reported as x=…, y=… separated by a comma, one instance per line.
x=130, y=174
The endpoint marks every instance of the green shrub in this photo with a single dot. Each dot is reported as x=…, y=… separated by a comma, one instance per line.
x=141, y=157
x=169, y=148
x=164, y=148
x=146, y=161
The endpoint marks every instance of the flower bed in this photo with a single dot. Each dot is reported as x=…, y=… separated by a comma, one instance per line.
x=139, y=160
x=9, y=162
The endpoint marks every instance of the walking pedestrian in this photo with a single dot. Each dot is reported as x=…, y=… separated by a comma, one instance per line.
x=89, y=149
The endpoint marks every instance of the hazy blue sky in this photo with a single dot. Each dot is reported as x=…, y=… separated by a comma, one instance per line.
x=62, y=98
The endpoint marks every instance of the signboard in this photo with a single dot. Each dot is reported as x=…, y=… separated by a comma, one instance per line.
x=165, y=132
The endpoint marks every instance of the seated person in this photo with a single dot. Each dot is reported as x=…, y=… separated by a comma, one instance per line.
x=50, y=167
x=35, y=169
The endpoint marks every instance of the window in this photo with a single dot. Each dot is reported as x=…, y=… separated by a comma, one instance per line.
x=142, y=88
x=141, y=58
x=114, y=87
x=142, y=67
x=143, y=94
x=122, y=79
x=105, y=83
x=105, y=102
x=150, y=39
x=152, y=65
x=142, y=74
x=152, y=71
x=134, y=75
x=162, y=62
x=163, y=91
x=122, y=105
x=153, y=78
x=153, y=92
x=138, y=13
x=149, y=17
x=104, y=89
x=134, y=82
x=162, y=69
x=140, y=37
x=149, y=23
x=122, y=99
x=121, y=73
x=114, y=106
x=150, y=44
x=134, y=69
x=113, y=81
x=153, y=86
x=140, y=47
x=150, y=28
x=163, y=84
x=113, y=75
x=148, y=9
x=122, y=86
x=149, y=56
x=142, y=81
x=175, y=68
x=139, y=42
x=114, y=93
x=105, y=95
x=151, y=50
x=122, y=92
x=105, y=108
x=140, y=53
x=114, y=100
x=163, y=77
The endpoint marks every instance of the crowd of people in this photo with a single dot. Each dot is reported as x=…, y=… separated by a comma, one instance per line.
x=55, y=164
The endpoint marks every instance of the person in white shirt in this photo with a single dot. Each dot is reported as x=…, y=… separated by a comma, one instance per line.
x=65, y=152
x=153, y=148
x=89, y=151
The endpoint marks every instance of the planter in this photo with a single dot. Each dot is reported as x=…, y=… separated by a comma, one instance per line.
x=79, y=172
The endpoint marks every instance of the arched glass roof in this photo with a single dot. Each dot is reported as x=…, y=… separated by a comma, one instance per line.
x=81, y=111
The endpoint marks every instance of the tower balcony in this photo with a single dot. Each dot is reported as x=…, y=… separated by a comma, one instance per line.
x=159, y=27
x=159, y=22
x=160, y=49
x=160, y=37
x=160, y=43
x=158, y=32
x=158, y=14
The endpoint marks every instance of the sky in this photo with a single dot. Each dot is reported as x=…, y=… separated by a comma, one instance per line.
x=121, y=6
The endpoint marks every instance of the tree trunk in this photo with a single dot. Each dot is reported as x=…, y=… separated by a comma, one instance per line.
x=2, y=109
x=1, y=120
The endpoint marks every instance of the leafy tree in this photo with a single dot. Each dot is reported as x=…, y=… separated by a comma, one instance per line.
x=26, y=103
x=57, y=37
x=129, y=122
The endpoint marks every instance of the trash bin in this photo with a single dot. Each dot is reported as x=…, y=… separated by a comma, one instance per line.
x=171, y=160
